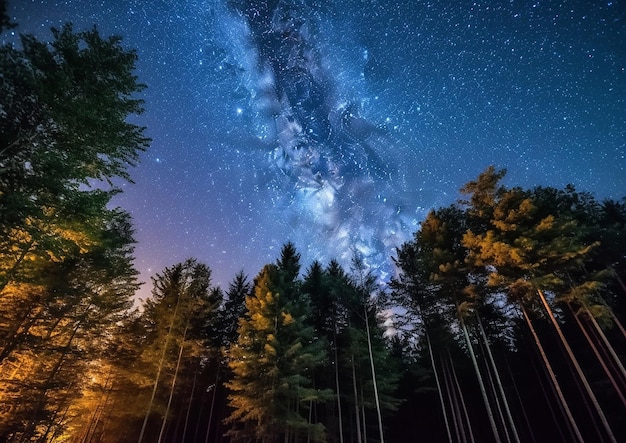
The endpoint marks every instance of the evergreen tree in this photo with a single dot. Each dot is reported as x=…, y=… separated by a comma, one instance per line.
x=274, y=359
x=176, y=319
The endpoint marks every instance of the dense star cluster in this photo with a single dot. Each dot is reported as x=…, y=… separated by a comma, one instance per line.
x=338, y=125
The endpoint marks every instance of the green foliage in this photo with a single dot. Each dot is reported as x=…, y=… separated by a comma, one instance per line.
x=274, y=359
x=63, y=128
x=66, y=273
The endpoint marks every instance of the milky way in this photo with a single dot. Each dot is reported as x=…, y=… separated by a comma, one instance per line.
x=337, y=125
x=338, y=178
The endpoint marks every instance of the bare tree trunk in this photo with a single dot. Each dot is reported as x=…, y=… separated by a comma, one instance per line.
x=481, y=384
x=369, y=346
x=156, y=381
x=449, y=393
x=579, y=371
x=193, y=390
x=356, y=403
x=596, y=352
x=519, y=399
x=606, y=342
x=217, y=376
x=498, y=380
x=363, y=417
x=462, y=399
x=98, y=412
x=454, y=402
x=555, y=383
x=339, y=414
x=169, y=400
x=443, y=405
x=493, y=395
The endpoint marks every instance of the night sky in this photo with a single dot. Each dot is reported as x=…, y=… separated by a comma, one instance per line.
x=338, y=125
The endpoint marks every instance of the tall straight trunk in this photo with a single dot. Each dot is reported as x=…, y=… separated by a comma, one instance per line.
x=555, y=383
x=363, y=416
x=454, y=402
x=608, y=357
x=579, y=371
x=451, y=394
x=606, y=342
x=481, y=384
x=599, y=357
x=356, y=402
x=339, y=414
x=496, y=373
x=98, y=412
x=369, y=346
x=443, y=405
x=462, y=399
x=193, y=391
x=158, y=376
x=542, y=376
x=493, y=395
x=169, y=400
x=210, y=421
x=519, y=399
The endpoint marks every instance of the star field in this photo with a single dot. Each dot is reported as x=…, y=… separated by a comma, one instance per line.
x=338, y=125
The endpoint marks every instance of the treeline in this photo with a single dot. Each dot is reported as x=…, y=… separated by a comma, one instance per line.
x=501, y=324
x=521, y=291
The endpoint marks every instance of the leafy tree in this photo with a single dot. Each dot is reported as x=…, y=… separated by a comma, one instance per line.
x=62, y=327
x=63, y=127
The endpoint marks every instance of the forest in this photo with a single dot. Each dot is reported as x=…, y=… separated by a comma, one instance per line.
x=502, y=323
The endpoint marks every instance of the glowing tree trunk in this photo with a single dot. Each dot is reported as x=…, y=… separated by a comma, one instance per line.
x=579, y=371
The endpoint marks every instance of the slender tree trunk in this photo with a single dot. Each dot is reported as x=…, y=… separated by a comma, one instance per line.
x=462, y=399
x=481, y=384
x=519, y=400
x=606, y=342
x=356, y=402
x=169, y=400
x=339, y=413
x=608, y=357
x=596, y=352
x=451, y=397
x=498, y=380
x=158, y=376
x=99, y=411
x=217, y=376
x=579, y=371
x=369, y=346
x=458, y=417
x=363, y=416
x=493, y=395
x=193, y=391
x=438, y=383
x=555, y=383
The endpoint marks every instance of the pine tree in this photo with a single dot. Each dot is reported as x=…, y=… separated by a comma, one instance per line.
x=176, y=317
x=274, y=359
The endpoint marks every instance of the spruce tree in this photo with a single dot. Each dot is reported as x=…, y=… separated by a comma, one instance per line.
x=274, y=359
